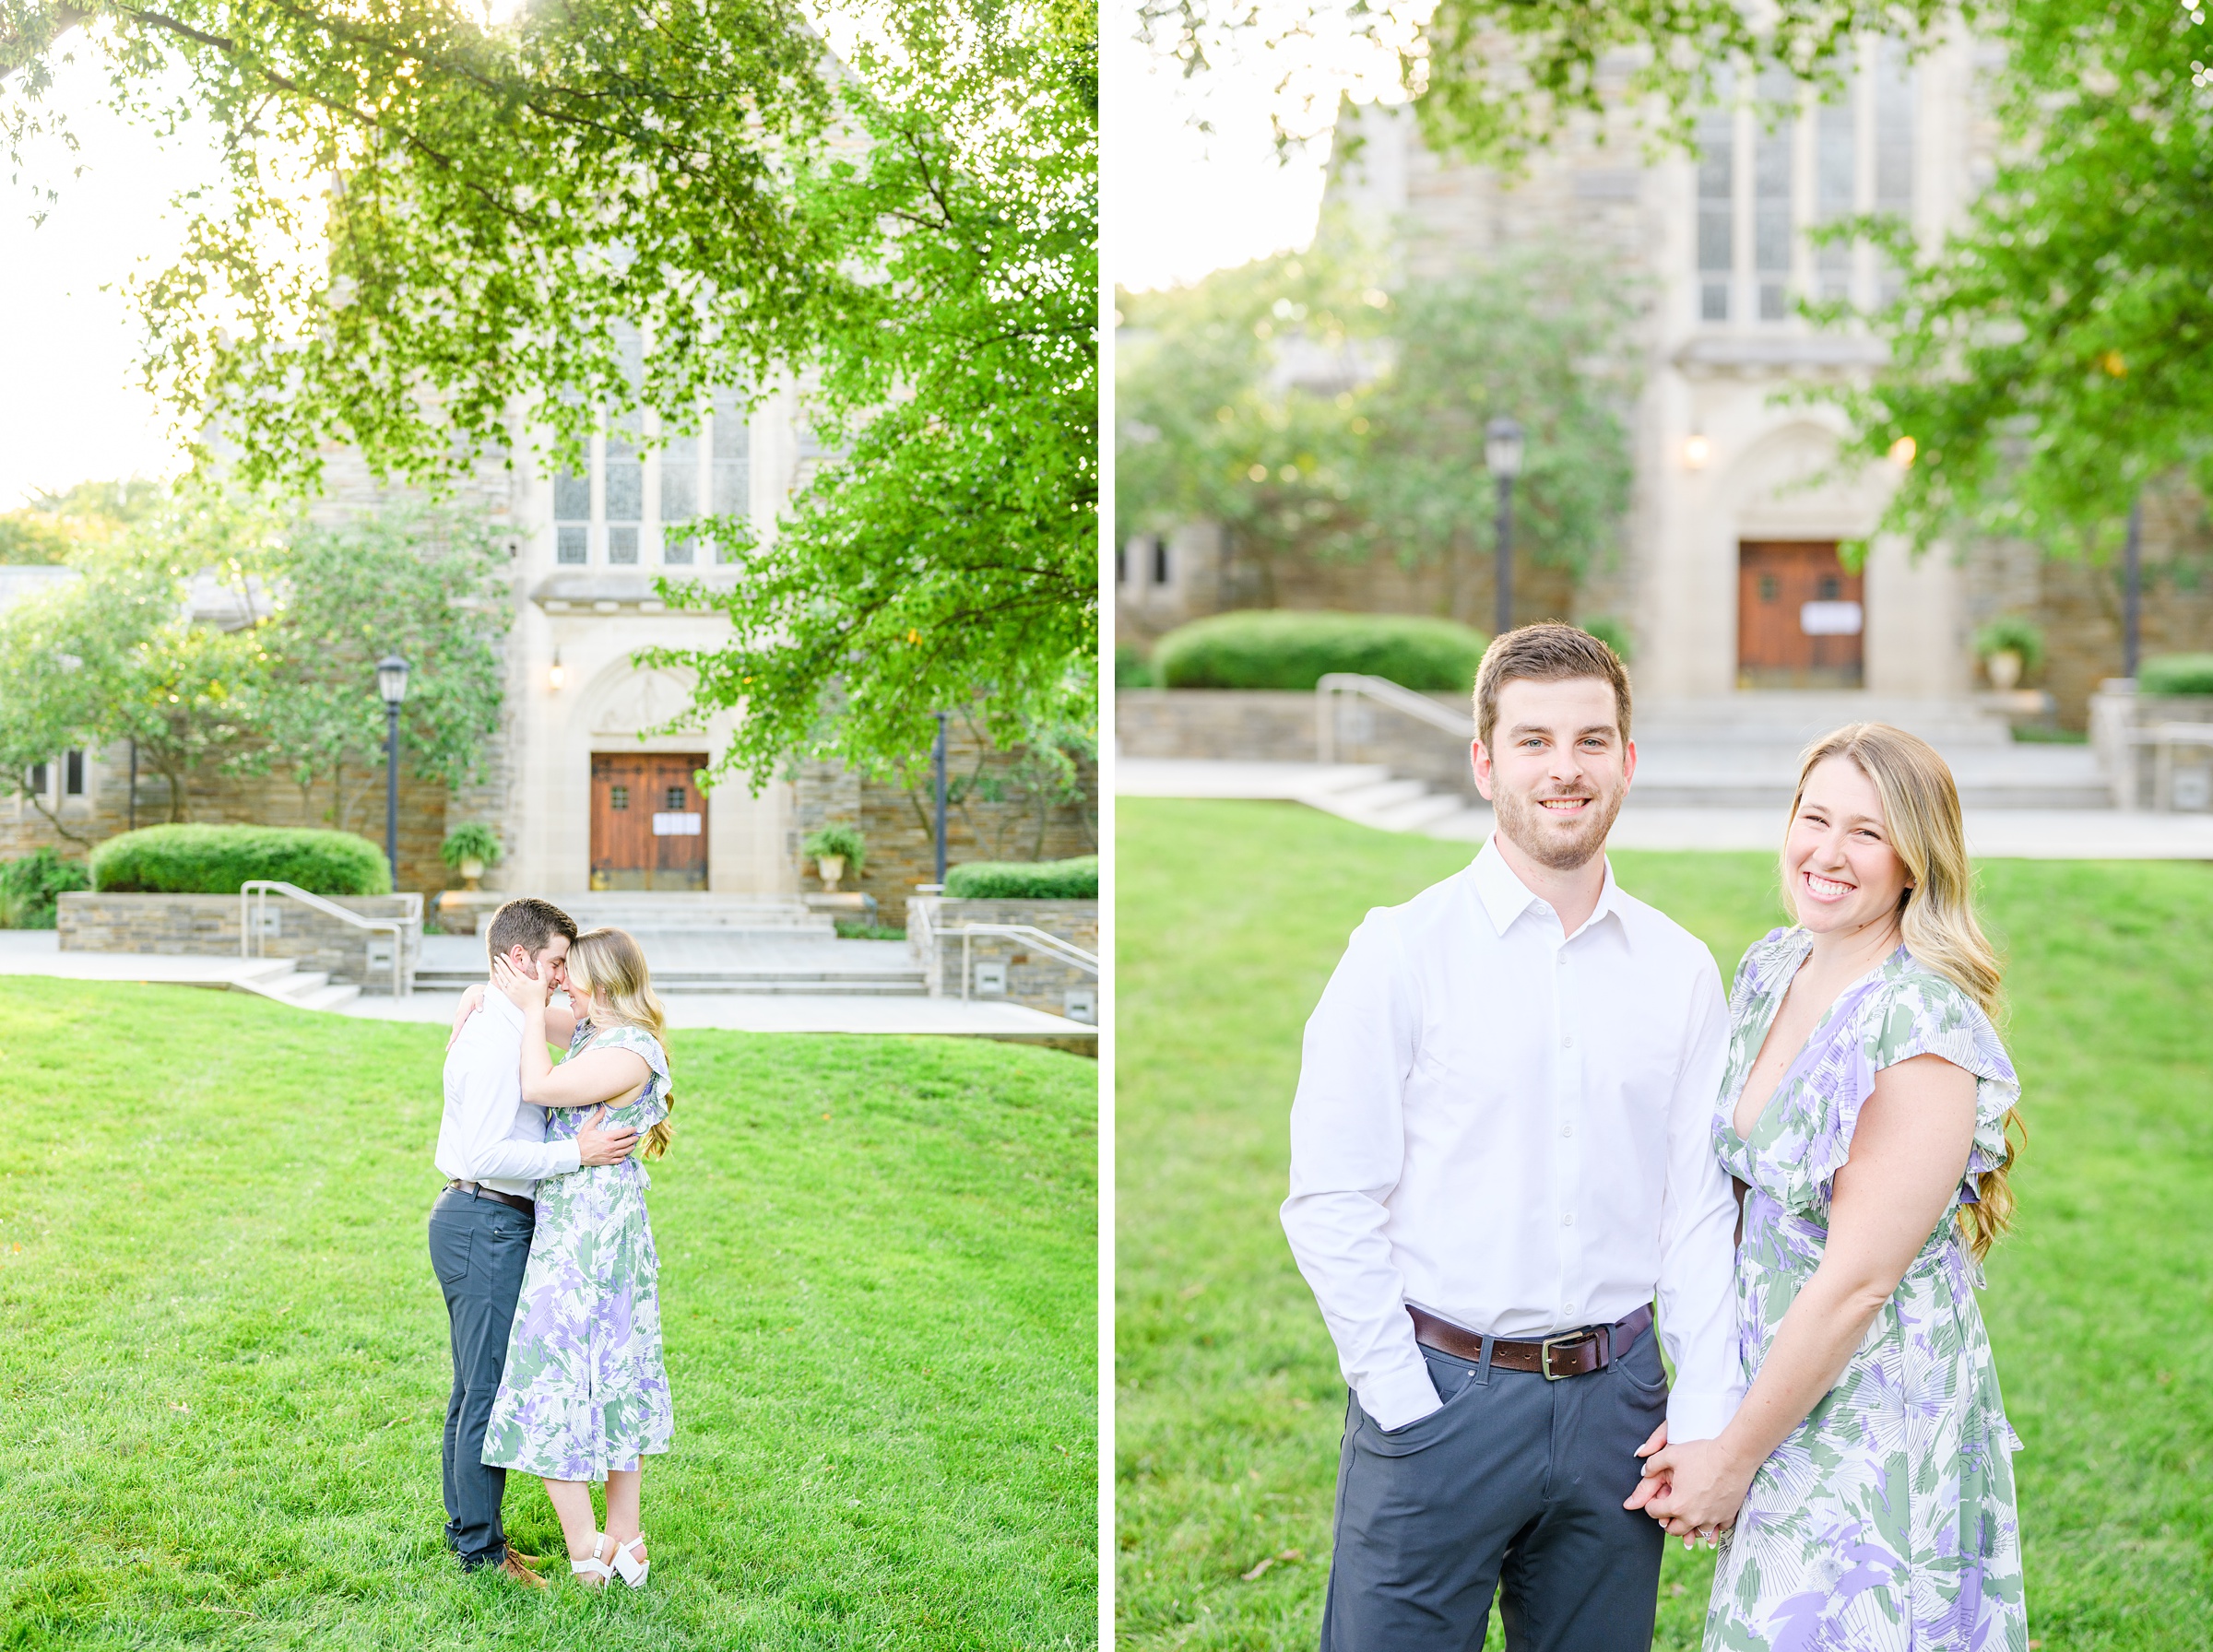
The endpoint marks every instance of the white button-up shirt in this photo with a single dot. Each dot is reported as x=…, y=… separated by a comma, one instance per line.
x=1508, y=1126
x=488, y=1133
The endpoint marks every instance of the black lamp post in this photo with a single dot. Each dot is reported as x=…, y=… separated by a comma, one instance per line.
x=1502, y=454
x=2131, y=596
x=937, y=762
x=392, y=685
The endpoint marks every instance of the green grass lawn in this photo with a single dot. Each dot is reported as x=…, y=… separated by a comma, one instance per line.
x=223, y=1362
x=1228, y=1405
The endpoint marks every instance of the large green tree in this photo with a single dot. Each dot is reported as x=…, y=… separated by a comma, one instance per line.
x=429, y=585
x=947, y=557
x=113, y=655
x=1311, y=410
x=2050, y=355
x=274, y=672
x=515, y=208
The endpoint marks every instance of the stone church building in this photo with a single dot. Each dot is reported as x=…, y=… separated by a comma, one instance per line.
x=1727, y=574
x=581, y=795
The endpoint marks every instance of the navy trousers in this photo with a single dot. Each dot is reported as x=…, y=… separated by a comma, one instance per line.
x=477, y=1247
x=1514, y=1488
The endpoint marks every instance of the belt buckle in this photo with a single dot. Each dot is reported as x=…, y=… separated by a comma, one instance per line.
x=1545, y=1355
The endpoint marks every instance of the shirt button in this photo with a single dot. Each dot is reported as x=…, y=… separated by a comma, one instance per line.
x=1566, y=1129
x=1567, y=1040
x=1568, y=1218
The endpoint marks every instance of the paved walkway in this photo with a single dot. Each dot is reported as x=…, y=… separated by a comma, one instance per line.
x=37, y=952
x=2007, y=833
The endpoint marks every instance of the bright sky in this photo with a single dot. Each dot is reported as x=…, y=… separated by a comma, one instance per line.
x=1178, y=201
x=73, y=412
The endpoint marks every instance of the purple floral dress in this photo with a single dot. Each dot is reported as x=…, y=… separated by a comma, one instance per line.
x=583, y=1390
x=1887, y=1520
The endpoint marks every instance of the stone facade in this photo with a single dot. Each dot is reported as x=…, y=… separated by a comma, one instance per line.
x=179, y=924
x=1034, y=977
x=1258, y=725
x=994, y=814
x=1724, y=453
x=103, y=809
x=584, y=605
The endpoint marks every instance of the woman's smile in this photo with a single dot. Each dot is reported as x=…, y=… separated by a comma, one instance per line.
x=1827, y=889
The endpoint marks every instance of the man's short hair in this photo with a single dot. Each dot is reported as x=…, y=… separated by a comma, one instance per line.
x=530, y=924
x=1546, y=653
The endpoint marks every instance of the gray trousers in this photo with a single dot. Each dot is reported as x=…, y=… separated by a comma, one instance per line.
x=1515, y=1487
x=477, y=1247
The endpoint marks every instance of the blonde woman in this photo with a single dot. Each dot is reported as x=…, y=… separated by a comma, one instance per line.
x=1865, y=1113
x=585, y=1397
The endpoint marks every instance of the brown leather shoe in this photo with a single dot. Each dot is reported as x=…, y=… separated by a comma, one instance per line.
x=535, y=1563
x=514, y=1569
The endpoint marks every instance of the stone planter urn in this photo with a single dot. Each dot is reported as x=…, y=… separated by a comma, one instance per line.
x=832, y=868
x=472, y=869
x=2005, y=669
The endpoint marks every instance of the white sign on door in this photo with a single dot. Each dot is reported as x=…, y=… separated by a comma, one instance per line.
x=676, y=825
x=1830, y=619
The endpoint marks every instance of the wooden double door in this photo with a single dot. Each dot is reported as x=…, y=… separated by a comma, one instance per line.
x=1801, y=617
x=649, y=821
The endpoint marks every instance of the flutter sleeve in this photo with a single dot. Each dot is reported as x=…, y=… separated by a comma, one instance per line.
x=1917, y=1014
x=1755, y=970
x=641, y=1043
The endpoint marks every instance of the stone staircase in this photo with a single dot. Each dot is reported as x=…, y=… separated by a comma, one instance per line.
x=720, y=959
x=303, y=989
x=643, y=912
x=1740, y=751
x=1737, y=754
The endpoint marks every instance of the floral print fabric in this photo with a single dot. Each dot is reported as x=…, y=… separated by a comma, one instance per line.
x=1886, y=1521
x=583, y=1390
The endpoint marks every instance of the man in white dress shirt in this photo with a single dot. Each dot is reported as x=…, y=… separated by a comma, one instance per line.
x=1500, y=1162
x=492, y=1148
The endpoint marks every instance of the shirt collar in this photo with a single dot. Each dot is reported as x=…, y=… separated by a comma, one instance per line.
x=1505, y=897
x=501, y=1004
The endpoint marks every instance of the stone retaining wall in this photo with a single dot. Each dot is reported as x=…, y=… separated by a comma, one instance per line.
x=209, y=924
x=2131, y=767
x=1035, y=978
x=1270, y=725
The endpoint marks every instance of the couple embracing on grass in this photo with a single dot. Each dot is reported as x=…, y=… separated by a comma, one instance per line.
x=541, y=1243
x=1524, y=1108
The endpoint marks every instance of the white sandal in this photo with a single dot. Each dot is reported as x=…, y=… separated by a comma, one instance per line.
x=595, y=1566
x=633, y=1570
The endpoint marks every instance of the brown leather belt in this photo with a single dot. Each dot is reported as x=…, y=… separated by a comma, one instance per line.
x=1572, y=1353
x=477, y=1190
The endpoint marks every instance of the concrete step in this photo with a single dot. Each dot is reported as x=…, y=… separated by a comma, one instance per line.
x=303, y=989
x=645, y=911
x=1790, y=719
x=1419, y=814
x=869, y=977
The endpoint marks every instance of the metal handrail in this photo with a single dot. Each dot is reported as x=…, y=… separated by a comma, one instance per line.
x=1065, y=951
x=1334, y=685
x=254, y=900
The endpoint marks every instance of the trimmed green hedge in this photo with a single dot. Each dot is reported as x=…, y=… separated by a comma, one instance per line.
x=214, y=860
x=2175, y=674
x=1076, y=879
x=1288, y=648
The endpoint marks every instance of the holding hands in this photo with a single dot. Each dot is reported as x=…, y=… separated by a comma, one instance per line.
x=1694, y=1490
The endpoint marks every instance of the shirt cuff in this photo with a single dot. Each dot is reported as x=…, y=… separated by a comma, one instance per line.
x=570, y=1156
x=1395, y=1398
x=1700, y=1413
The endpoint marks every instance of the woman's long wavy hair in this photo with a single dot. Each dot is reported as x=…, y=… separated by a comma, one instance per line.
x=608, y=965
x=1937, y=916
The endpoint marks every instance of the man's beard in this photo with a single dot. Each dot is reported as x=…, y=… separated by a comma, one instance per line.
x=1532, y=828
